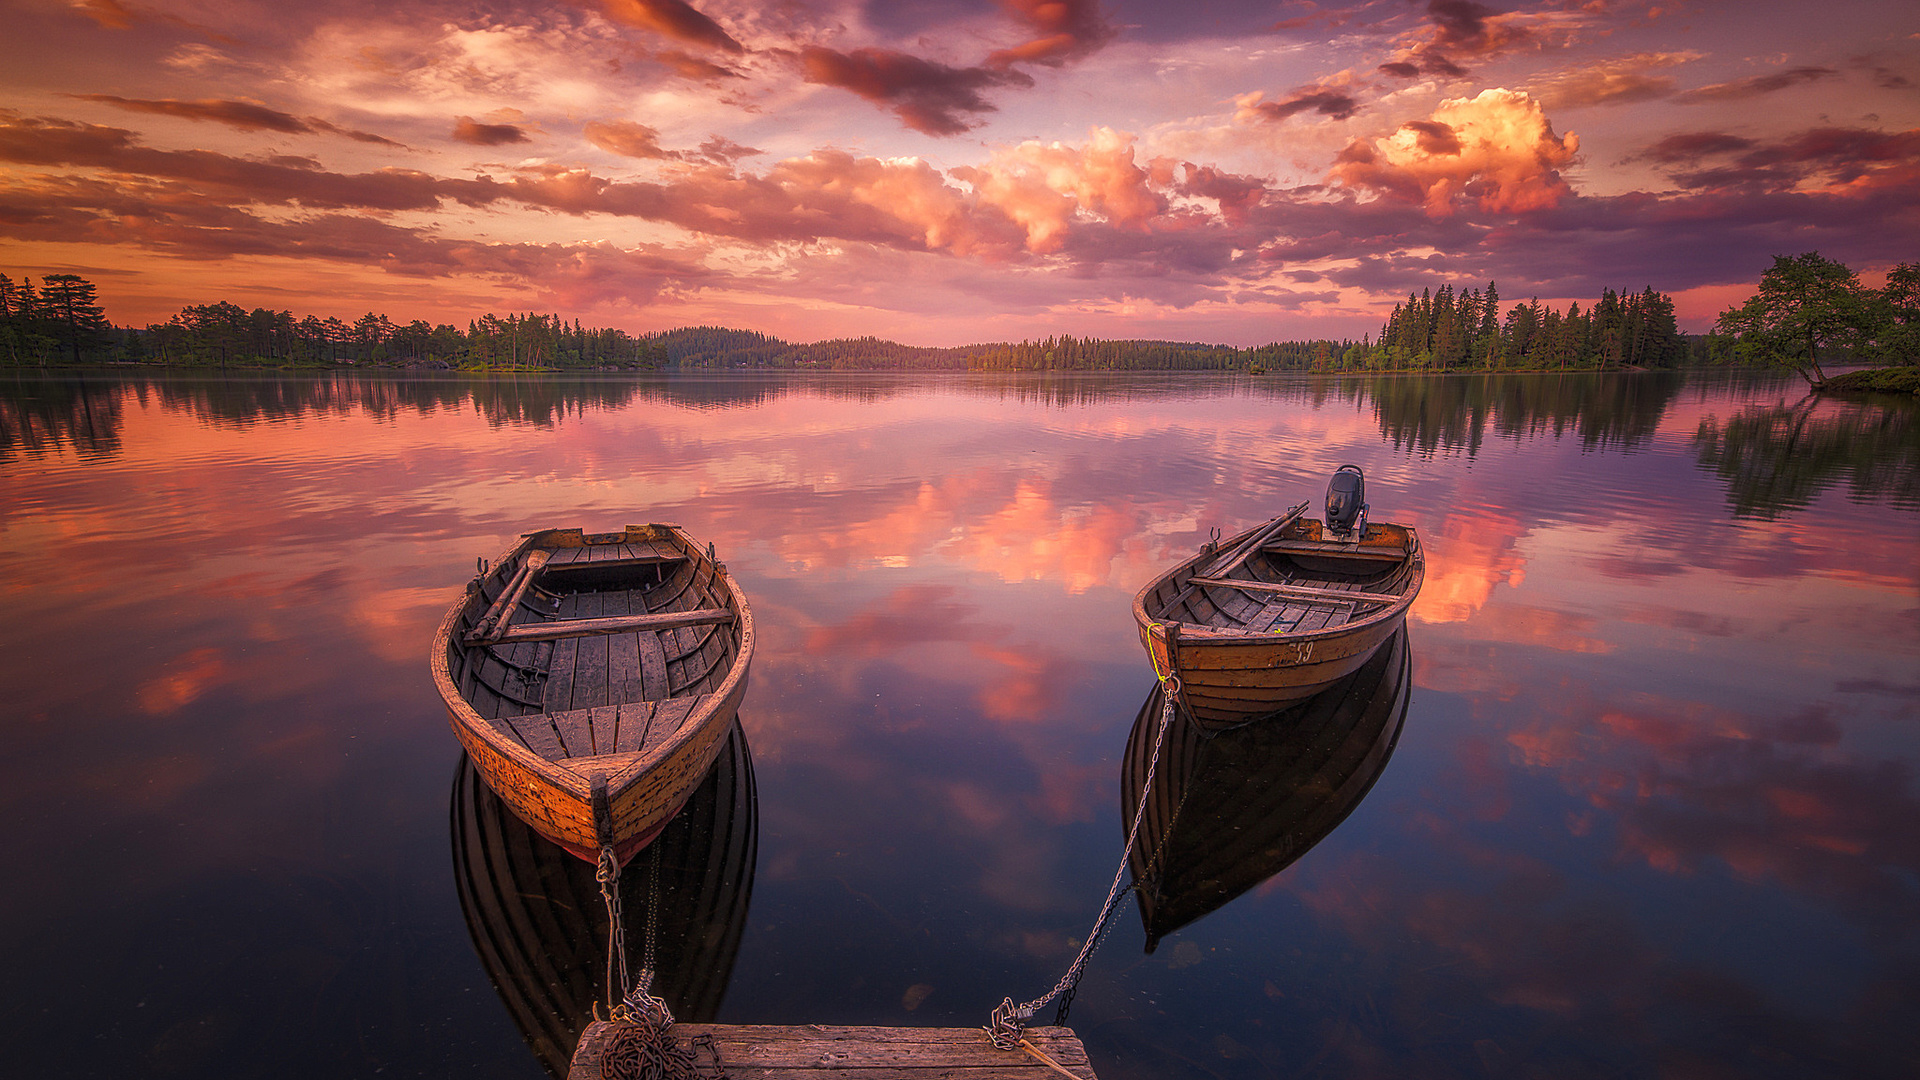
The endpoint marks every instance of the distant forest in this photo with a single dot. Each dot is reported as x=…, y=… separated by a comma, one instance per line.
x=60, y=321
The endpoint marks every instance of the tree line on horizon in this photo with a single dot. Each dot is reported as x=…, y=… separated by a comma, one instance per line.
x=61, y=320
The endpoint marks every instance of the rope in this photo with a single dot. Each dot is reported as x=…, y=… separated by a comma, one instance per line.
x=1009, y=1019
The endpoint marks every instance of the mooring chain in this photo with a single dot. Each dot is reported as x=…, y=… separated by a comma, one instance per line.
x=643, y=1046
x=608, y=875
x=645, y=1052
x=1009, y=1019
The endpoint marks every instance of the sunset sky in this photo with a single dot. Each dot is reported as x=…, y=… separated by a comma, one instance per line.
x=942, y=173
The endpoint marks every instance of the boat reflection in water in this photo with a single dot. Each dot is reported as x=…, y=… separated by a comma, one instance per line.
x=540, y=926
x=1228, y=812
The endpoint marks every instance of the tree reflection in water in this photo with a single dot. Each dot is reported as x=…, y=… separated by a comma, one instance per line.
x=1779, y=458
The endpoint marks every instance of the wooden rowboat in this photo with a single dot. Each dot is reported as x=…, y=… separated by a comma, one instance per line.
x=1228, y=811
x=592, y=678
x=539, y=924
x=1277, y=613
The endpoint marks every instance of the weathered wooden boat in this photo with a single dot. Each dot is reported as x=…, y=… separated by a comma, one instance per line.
x=1228, y=811
x=592, y=678
x=1281, y=611
x=539, y=924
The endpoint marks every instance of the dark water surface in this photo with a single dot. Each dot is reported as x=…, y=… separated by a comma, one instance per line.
x=1651, y=809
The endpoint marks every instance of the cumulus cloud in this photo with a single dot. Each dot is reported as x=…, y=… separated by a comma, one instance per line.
x=672, y=18
x=1047, y=187
x=929, y=97
x=468, y=130
x=1497, y=150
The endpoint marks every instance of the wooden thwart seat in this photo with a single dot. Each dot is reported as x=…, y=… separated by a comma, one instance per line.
x=1335, y=549
x=556, y=567
x=1308, y=593
x=557, y=629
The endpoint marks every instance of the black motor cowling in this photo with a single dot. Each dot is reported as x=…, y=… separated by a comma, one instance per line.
x=1346, y=498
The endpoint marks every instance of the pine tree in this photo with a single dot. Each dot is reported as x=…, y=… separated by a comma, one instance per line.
x=72, y=305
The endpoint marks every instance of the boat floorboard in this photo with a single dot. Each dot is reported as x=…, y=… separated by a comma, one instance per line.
x=822, y=1052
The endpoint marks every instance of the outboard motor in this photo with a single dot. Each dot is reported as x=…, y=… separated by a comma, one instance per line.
x=1347, y=500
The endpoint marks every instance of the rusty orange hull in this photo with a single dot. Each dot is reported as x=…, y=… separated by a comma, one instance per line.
x=592, y=679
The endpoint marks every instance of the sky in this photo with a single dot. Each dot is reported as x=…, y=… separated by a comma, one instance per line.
x=950, y=173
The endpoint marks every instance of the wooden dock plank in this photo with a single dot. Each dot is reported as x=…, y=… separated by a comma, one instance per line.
x=823, y=1052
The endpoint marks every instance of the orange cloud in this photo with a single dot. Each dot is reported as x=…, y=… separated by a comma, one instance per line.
x=1497, y=150
x=1063, y=30
x=1045, y=188
x=626, y=138
x=672, y=18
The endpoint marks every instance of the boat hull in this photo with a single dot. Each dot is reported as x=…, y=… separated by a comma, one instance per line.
x=1213, y=634
x=596, y=718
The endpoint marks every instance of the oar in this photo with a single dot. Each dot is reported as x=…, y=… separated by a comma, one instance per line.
x=497, y=616
x=1252, y=543
x=1240, y=552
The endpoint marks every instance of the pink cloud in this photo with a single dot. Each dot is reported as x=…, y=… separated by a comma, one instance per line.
x=928, y=97
x=1497, y=151
x=626, y=138
x=1046, y=187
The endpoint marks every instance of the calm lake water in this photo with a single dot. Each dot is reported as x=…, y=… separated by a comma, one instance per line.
x=1652, y=809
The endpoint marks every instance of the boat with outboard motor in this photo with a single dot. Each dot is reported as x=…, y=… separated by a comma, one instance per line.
x=1278, y=613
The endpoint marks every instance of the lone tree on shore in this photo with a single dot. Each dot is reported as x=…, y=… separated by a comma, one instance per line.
x=1806, y=303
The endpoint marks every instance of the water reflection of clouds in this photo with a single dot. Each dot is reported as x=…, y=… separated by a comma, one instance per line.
x=947, y=666
x=1468, y=554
